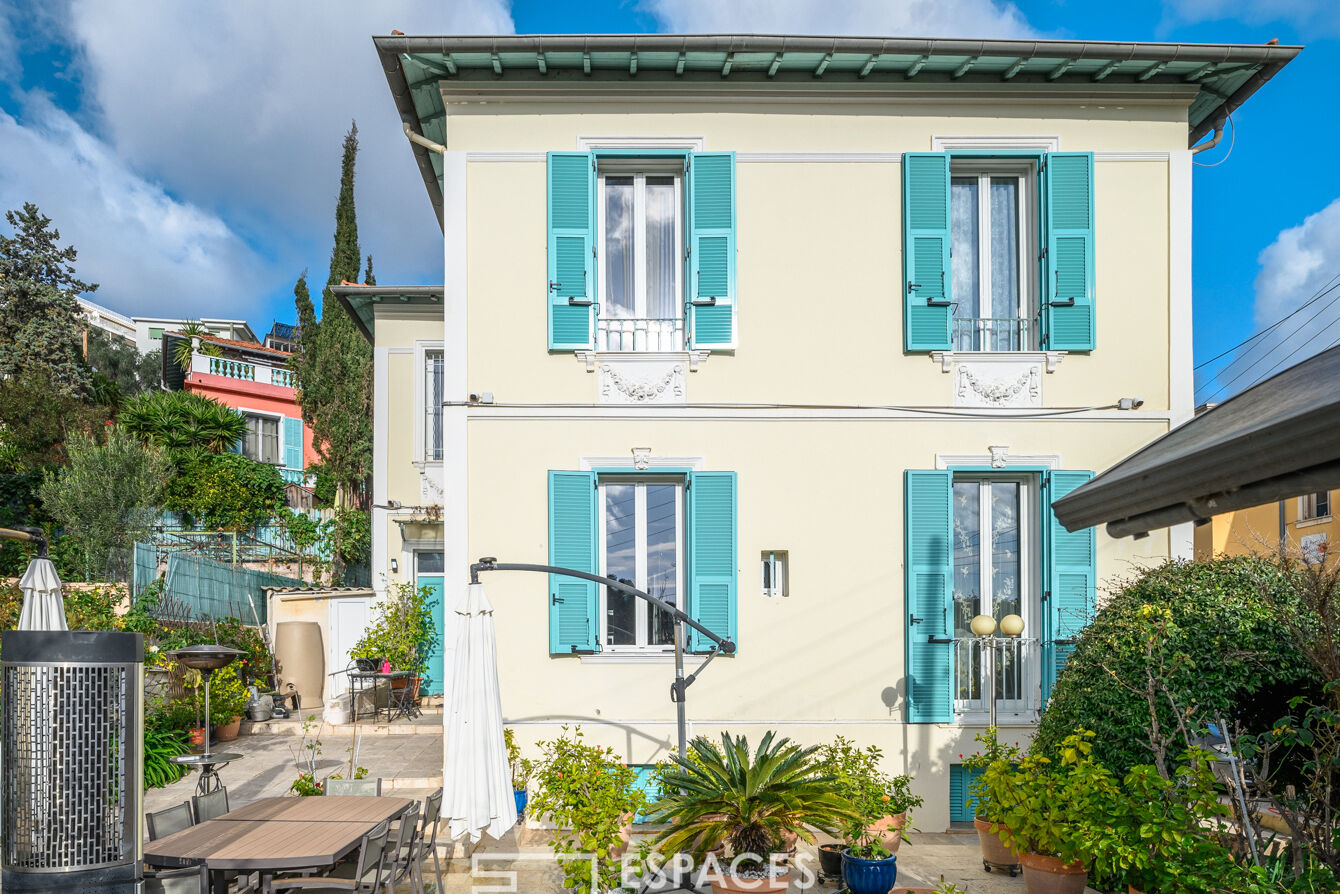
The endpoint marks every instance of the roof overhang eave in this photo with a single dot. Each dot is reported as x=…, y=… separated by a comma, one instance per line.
x=358, y=300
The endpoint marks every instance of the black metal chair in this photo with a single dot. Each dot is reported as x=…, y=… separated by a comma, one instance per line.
x=170, y=820
x=368, y=875
x=363, y=787
x=401, y=854
x=426, y=842
x=183, y=880
x=210, y=806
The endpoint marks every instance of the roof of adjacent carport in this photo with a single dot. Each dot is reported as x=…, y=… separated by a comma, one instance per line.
x=1277, y=439
x=361, y=301
x=1219, y=77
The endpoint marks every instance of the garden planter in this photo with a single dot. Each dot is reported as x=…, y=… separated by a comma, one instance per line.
x=889, y=831
x=730, y=884
x=913, y=891
x=156, y=683
x=868, y=876
x=1131, y=889
x=1048, y=875
x=226, y=732
x=996, y=854
x=830, y=860
x=521, y=796
x=197, y=735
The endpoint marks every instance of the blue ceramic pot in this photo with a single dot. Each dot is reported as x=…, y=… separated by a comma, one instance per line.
x=868, y=876
x=520, y=795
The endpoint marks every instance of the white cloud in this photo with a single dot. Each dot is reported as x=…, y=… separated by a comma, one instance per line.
x=151, y=252
x=881, y=18
x=1302, y=262
x=1317, y=17
x=239, y=109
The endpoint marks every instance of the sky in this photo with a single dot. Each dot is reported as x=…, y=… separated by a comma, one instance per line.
x=191, y=151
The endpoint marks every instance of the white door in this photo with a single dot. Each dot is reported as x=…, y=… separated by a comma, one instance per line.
x=348, y=620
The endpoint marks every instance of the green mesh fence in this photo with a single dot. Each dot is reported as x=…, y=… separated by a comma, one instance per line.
x=213, y=589
x=144, y=567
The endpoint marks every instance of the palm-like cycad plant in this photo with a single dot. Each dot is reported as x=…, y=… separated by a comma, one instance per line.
x=750, y=801
x=181, y=421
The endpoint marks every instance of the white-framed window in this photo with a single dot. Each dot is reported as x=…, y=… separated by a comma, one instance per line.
x=1000, y=512
x=774, y=571
x=993, y=227
x=262, y=441
x=1313, y=506
x=641, y=539
x=640, y=238
x=432, y=405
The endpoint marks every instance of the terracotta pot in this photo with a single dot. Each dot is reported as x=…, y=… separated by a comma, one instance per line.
x=996, y=854
x=197, y=735
x=625, y=837
x=227, y=732
x=1048, y=875
x=889, y=830
x=1131, y=889
x=729, y=884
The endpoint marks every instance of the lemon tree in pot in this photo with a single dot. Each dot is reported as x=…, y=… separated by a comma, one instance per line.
x=750, y=800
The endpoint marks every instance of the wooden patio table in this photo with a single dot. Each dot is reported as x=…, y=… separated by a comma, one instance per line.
x=274, y=835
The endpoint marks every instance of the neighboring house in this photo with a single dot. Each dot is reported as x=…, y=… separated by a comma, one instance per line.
x=257, y=382
x=1299, y=527
x=107, y=320
x=786, y=330
x=149, y=330
x=282, y=337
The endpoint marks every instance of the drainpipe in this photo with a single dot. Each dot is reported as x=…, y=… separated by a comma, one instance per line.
x=1209, y=144
x=428, y=144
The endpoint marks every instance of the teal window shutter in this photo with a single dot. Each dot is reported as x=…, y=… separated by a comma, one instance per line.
x=1068, y=286
x=293, y=443
x=928, y=497
x=1071, y=581
x=961, y=807
x=572, y=238
x=572, y=544
x=712, y=555
x=926, y=274
x=711, y=295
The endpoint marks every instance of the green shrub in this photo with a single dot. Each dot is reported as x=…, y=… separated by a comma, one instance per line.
x=226, y=491
x=1208, y=631
x=403, y=630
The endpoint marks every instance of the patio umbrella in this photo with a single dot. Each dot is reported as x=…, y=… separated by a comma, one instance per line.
x=478, y=784
x=43, y=608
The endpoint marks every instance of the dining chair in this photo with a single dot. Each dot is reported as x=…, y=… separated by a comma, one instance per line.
x=169, y=820
x=366, y=787
x=427, y=842
x=182, y=880
x=210, y=806
x=401, y=853
x=368, y=875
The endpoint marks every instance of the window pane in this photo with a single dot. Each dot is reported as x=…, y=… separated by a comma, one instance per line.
x=621, y=563
x=1005, y=583
x=1005, y=256
x=964, y=243
x=432, y=420
x=662, y=222
x=619, y=299
x=662, y=565
x=269, y=440
x=429, y=563
x=967, y=585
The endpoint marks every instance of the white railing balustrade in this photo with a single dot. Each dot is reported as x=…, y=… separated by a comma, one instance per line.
x=241, y=370
x=640, y=334
x=994, y=334
x=232, y=369
x=1016, y=667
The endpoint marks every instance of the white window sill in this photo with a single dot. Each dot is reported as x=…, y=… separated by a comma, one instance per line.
x=422, y=464
x=630, y=657
x=1003, y=719
x=1049, y=359
x=1313, y=522
x=592, y=358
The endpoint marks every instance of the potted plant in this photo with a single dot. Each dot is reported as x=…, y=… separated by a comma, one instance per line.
x=1050, y=813
x=196, y=734
x=401, y=632
x=227, y=701
x=591, y=798
x=521, y=770
x=749, y=800
x=881, y=802
x=996, y=854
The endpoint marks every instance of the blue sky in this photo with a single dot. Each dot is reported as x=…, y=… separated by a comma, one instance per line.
x=191, y=151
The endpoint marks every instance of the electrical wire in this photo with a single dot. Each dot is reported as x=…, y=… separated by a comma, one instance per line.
x=893, y=408
x=1317, y=296
x=1294, y=354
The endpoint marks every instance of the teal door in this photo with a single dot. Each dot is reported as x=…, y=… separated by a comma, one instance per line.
x=428, y=573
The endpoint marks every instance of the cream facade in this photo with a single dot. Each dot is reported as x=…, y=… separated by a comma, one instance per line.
x=815, y=431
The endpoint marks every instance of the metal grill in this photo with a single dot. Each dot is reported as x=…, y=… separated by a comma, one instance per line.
x=66, y=786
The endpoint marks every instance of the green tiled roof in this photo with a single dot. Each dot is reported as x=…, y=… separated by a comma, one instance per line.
x=361, y=301
x=1223, y=76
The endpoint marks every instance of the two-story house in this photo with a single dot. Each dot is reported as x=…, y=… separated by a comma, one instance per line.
x=801, y=334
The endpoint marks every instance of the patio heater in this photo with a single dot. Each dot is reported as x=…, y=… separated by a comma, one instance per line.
x=206, y=659
x=679, y=688
x=72, y=750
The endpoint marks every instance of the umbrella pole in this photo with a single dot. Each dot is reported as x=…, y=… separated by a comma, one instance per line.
x=677, y=691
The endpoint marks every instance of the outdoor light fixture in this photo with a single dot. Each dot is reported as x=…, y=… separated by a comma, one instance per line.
x=680, y=686
x=395, y=567
x=1012, y=625
x=984, y=628
x=982, y=625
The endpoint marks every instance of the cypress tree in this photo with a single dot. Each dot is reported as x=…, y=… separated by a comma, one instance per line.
x=334, y=361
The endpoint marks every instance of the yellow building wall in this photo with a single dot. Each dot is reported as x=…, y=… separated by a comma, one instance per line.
x=1256, y=531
